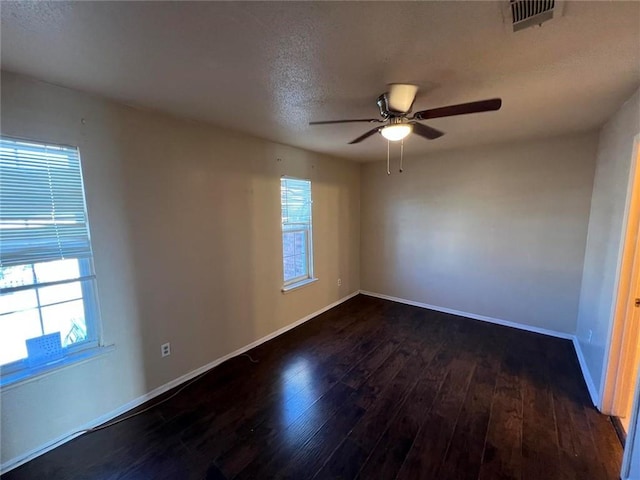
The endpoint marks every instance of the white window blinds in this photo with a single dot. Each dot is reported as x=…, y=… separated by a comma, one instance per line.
x=42, y=209
x=296, y=201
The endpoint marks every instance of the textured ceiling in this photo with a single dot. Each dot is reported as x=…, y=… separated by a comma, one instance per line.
x=268, y=68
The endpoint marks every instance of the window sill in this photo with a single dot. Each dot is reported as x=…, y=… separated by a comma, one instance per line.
x=27, y=375
x=295, y=286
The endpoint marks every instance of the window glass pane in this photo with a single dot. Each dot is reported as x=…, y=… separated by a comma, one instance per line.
x=301, y=265
x=301, y=243
x=57, y=270
x=15, y=328
x=68, y=319
x=60, y=293
x=18, y=301
x=289, y=268
x=288, y=244
x=16, y=276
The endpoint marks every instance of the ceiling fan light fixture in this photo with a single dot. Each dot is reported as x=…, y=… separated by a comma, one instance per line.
x=395, y=133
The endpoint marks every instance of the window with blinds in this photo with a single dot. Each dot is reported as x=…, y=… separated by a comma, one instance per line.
x=47, y=282
x=297, y=239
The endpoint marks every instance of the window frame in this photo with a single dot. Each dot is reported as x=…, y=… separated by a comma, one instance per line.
x=307, y=229
x=22, y=370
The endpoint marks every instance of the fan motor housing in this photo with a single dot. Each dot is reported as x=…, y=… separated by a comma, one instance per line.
x=382, y=104
x=385, y=110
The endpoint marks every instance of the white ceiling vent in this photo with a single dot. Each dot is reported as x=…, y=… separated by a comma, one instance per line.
x=527, y=13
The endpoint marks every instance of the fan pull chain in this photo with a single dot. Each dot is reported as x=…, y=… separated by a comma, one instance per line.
x=401, y=153
x=388, y=169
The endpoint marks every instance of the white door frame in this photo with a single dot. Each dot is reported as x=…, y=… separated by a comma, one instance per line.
x=617, y=339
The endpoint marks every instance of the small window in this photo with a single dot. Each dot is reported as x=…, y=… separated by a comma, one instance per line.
x=48, y=306
x=297, y=238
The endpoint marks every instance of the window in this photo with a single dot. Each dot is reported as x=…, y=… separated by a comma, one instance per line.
x=48, y=307
x=297, y=239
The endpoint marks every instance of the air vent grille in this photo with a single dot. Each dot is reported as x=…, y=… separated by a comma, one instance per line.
x=526, y=13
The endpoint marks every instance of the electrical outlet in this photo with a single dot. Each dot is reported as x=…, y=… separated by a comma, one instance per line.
x=590, y=335
x=165, y=349
x=339, y=282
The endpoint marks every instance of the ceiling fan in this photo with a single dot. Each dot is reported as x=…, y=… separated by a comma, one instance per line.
x=395, y=107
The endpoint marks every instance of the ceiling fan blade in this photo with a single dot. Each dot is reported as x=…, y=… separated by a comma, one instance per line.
x=401, y=96
x=461, y=109
x=365, y=135
x=425, y=131
x=328, y=122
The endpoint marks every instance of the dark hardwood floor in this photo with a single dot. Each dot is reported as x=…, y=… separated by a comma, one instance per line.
x=372, y=390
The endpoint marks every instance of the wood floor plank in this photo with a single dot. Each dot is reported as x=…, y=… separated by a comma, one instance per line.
x=432, y=439
x=380, y=410
x=267, y=426
x=311, y=456
x=356, y=377
x=280, y=434
x=344, y=463
x=502, y=456
x=540, y=449
x=274, y=456
x=392, y=447
x=368, y=431
x=577, y=449
x=608, y=446
x=464, y=454
x=369, y=428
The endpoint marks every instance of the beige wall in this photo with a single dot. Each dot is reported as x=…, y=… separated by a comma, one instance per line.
x=495, y=231
x=606, y=231
x=185, y=225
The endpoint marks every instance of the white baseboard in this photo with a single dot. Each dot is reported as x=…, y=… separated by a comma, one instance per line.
x=593, y=392
x=484, y=318
x=62, y=439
